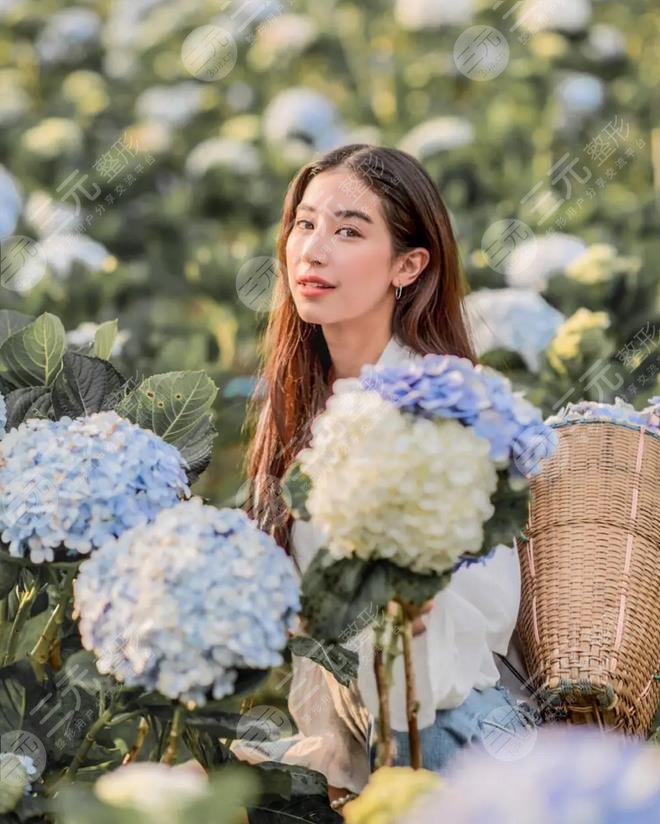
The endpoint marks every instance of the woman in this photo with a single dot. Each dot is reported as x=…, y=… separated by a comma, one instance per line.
x=370, y=274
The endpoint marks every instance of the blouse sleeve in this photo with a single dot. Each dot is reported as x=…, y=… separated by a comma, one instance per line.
x=333, y=725
x=472, y=617
x=331, y=719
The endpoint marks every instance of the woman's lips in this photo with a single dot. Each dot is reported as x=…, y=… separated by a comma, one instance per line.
x=310, y=290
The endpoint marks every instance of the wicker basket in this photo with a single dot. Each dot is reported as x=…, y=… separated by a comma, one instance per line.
x=589, y=621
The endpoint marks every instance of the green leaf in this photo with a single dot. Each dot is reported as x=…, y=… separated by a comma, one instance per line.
x=509, y=516
x=19, y=693
x=207, y=749
x=84, y=386
x=176, y=406
x=32, y=356
x=291, y=794
x=197, y=448
x=11, y=321
x=29, y=402
x=341, y=662
x=104, y=339
x=298, y=485
x=341, y=598
x=8, y=575
x=79, y=670
x=226, y=725
x=30, y=633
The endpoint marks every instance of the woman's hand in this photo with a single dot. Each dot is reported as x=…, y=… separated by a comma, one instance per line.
x=337, y=792
x=414, y=613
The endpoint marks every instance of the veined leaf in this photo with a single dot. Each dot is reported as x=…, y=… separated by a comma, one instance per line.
x=104, y=339
x=85, y=385
x=340, y=661
x=29, y=402
x=32, y=356
x=11, y=321
x=342, y=598
x=174, y=405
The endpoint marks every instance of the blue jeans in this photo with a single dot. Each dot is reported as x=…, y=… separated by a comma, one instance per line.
x=489, y=718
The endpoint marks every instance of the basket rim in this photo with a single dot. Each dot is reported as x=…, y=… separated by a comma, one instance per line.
x=635, y=427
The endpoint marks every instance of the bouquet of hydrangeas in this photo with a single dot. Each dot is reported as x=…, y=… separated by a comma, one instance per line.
x=412, y=470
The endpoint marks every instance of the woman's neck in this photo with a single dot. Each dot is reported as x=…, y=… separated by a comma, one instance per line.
x=349, y=352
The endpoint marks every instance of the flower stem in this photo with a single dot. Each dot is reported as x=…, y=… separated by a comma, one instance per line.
x=384, y=752
x=42, y=649
x=169, y=756
x=85, y=745
x=140, y=738
x=24, y=605
x=411, y=698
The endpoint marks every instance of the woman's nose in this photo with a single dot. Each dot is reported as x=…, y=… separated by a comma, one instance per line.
x=315, y=249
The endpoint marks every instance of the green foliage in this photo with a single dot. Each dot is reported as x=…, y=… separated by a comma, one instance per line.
x=176, y=407
x=297, y=484
x=32, y=355
x=340, y=661
x=341, y=598
x=42, y=377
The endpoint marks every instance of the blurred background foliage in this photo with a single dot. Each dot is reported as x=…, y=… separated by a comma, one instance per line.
x=148, y=188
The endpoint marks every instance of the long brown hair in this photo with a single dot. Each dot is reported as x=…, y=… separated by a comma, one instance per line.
x=429, y=317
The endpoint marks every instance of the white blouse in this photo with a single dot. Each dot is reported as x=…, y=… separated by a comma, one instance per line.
x=472, y=618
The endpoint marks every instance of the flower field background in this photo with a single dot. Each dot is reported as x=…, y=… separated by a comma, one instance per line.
x=145, y=151
x=148, y=188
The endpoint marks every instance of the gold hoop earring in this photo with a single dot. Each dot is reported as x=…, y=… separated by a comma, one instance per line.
x=398, y=291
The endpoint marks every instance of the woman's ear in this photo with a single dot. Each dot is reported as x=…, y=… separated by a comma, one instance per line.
x=411, y=266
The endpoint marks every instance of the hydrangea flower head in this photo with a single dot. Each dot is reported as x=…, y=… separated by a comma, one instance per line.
x=17, y=772
x=573, y=773
x=618, y=412
x=3, y=415
x=180, y=604
x=156, y=789
x=400, y=487
x=479, y=397
x=70, y=485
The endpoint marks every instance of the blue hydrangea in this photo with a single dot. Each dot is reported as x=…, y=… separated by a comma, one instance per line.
x=618, y=412
x=451, y=387
x=70, y=485
x=557, y=773
x=3, y=415
x=180, y=604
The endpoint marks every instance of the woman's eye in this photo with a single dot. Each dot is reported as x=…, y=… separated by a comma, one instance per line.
x=350, y=229
x=298, y=222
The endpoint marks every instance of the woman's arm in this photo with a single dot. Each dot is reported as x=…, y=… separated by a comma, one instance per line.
x=333, y=736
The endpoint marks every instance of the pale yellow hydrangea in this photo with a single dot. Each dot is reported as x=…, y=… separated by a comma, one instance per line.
x=600, y=263
x=390, y=792
x=569, y=337
x=387, y=485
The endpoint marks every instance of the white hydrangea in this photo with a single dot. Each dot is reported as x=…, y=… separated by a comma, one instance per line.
x=439, y=134
x=155, y=789
x=389, y=485
x=417, y=15
x=563, y=15
x=532, y=262
x=516, y=319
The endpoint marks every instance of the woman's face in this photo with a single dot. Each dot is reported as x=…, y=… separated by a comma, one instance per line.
x=340, y=235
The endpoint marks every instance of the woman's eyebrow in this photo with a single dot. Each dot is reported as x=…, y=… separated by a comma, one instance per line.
x=340, y=213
